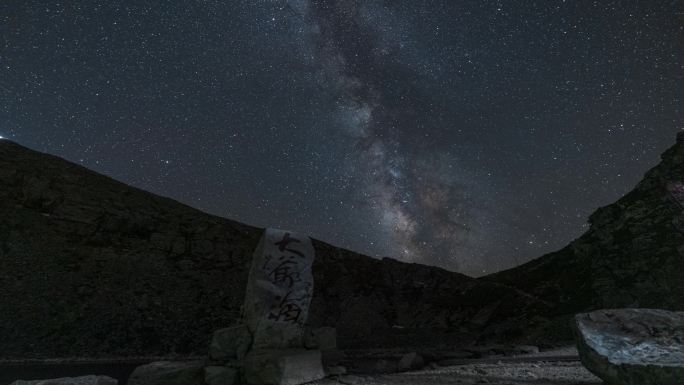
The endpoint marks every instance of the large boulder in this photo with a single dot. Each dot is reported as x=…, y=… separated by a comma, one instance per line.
x=168, y=373
x=632, y=346
x=84, y=380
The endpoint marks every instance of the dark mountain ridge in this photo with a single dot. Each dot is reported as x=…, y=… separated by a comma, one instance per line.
x=631, y=256
x=93, y=267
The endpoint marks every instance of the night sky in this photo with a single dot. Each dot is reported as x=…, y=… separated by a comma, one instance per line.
x=472, y=135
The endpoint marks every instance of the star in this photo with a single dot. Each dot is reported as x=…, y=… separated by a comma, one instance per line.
x=442, y=133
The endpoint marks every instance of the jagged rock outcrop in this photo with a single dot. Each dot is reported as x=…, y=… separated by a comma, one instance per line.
x=632, y=255
x=93, y=267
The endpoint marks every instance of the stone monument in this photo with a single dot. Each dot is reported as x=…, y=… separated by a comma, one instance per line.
x=279, y=290
x=271, y=344
x=277, y=299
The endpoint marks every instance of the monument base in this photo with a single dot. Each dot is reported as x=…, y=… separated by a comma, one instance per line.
x=283, y=367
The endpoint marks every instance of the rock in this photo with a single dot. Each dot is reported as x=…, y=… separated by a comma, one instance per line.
x=385, y=366
x=220, y=375
x=279, y=290
x=632, y=346
x=230, y=343
x=335, y=370
x=332, y=357
x=352, y=380
x=283, y=367
x=168, y=373
x=84, y=380
x=411, y=361
x=324, y=338
x=529, y=374
x=525, y=349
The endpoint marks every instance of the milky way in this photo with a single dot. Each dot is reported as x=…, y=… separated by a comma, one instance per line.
x=472, y=135
x=426, y=213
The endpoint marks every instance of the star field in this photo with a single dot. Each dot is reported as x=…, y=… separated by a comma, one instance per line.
x=472, y=135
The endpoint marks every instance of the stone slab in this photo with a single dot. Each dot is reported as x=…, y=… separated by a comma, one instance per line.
x=632, y=346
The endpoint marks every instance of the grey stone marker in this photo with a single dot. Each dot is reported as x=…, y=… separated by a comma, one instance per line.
x=279, y=290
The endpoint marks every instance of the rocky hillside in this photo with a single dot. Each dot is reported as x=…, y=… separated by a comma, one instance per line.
x=93, y=267
x=632, y=255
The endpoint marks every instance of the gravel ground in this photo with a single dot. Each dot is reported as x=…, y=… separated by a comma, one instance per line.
x=528, y=373
x=563, y=351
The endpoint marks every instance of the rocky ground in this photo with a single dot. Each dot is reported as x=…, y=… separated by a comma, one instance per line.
x=532, y=371
x=493, y=365
x=500, y=373
x=559, y=366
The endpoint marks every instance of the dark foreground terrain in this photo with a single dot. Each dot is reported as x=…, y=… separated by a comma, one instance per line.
x=557, y=367
x=94, y=268
x=543, y=373
x=11, y=372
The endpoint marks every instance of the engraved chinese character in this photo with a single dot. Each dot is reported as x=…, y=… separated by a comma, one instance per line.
x=285, y=272
x=282, y=244
x=288, y=310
